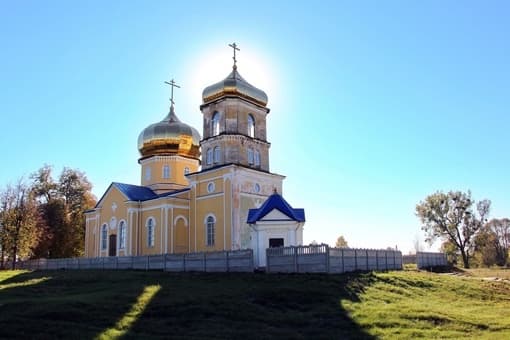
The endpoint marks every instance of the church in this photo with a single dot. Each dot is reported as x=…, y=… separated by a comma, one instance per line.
x=200, y=194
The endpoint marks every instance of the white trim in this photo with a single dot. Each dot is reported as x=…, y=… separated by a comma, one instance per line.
x=125, y=235
x=176, y=219
x=130, y=233
x=161, y=232
x=155, y=159
x=209, y=196
x=153, y=232
x=207, y=231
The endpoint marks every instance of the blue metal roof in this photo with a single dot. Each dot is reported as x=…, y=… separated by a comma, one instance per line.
x=275, y=201
x=135, y=192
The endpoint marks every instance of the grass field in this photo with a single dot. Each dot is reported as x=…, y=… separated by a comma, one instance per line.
x=130, y=304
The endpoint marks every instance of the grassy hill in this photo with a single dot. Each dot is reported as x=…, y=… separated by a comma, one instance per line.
x=130, y=304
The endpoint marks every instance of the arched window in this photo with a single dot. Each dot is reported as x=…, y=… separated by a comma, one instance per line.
x=150, y=232
x=122, y=235
x=251, y=126
x=186, y=171
x=217, y=154
x=215, y=124
x=166, y=171
x=104, y=236
x=210, y=230
x=257, y=158
x=209, y=156
x=250, y=156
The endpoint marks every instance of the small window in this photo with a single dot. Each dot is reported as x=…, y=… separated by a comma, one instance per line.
x=147, y=173
x=257, y=158
x=210, y=187
x=217, y=154
x=166, y=171
x=210, y=231
x=104, y=236
x=122, y=235
x=186, y=171
x=251, y=126
x=250, y=156
x=256, y=187
x=150, y=232
x=209, y=156
x=215, y=124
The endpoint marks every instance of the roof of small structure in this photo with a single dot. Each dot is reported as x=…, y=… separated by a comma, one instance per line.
x=275, y=201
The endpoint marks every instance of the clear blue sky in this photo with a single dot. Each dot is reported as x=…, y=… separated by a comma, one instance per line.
x=374, y=104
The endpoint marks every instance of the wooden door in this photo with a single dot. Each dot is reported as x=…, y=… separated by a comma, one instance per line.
x=112, y=249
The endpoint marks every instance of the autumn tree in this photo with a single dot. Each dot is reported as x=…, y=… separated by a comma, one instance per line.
x=341, y=242
x=493, y=242
x=18, y=215
x=451, y=217
x=61, y=208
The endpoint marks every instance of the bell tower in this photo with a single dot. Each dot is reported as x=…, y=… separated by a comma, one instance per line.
x=234, y=113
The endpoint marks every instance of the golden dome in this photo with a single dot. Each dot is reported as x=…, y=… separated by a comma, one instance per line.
x=169, y=137
x=234, y=85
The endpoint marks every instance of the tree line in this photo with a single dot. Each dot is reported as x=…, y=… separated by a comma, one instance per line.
x=463, y=226
x=42, y=217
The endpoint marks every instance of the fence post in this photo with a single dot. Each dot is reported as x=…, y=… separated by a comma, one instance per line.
x=295, y=260
x=268, y=264
x=164, y=262
x=147, y=264
x=228, y=260
x=184, y=262
x=376, y=259
x=327, y=259
x=355, y=259
x=366, y=253
x=103, y=262
x=205, y=263
x=343, y=264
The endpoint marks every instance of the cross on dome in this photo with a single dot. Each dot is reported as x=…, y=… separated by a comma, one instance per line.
x=172, y=84
x=235, y=48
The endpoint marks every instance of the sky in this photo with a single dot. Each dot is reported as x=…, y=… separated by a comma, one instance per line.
x=374, y=104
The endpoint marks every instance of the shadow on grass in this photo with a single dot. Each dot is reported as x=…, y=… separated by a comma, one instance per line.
x=253, y=306
x=130, y=304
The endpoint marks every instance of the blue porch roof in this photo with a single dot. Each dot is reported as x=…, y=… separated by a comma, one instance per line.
x=275, y=201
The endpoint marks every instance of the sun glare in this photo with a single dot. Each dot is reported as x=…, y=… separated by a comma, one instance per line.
x=215, y=63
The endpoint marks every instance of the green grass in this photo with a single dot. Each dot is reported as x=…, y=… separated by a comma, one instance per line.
x=131, y=304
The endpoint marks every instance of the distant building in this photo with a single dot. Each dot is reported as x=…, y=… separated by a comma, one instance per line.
x=200, y=194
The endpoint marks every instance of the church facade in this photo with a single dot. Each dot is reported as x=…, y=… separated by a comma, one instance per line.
x=207, y=193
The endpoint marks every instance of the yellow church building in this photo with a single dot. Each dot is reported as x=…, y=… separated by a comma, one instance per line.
x=197, y=194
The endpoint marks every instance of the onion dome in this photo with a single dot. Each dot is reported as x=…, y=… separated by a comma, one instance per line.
x=169, y=137
x=234, y=85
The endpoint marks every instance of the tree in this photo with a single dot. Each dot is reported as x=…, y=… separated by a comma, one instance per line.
x=493, y=242
x=451, y=217
x=61, y=207
x=18, y=215
x=341, y=242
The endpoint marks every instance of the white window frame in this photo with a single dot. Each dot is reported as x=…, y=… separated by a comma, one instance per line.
x=215, y=124
x=251, y=125
x=122, y=234
x=148, y=173
x=257, y=158
x=104, y=236
x=209, y=156
x=250, y=156
x=217, y=154
x=210, y=230
x=151, y=231
x=166, y=171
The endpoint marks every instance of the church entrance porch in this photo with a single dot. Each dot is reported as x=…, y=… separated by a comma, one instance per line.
x=112, y=246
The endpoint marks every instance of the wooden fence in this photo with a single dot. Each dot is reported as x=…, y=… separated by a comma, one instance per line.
x=323, y=259
x=221, y=261
x=427, y=260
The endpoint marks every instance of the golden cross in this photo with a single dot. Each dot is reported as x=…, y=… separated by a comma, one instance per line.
x=235, y=48
x=173, y=84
